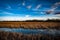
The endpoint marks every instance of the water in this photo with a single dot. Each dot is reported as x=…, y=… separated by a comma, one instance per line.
x=32, y=31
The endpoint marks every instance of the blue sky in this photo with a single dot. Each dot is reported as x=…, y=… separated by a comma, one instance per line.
x=29, y=9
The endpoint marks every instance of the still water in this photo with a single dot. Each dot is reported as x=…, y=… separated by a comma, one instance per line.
x=32, y=31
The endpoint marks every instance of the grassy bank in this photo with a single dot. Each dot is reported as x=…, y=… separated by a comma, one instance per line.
x=31, y=25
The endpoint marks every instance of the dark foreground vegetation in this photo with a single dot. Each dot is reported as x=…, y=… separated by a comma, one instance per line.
x=19, y=36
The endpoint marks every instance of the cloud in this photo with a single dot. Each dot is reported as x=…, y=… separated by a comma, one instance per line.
x=53, y=8
x=23, y=3
x=4, y=12
x=50, y=11
x=8, y=7
x=11, y=18
x=7, y=13
x=29, y=7
x=39, y=12
x=37, y=7
x=26, y=17
x=57, y=15
x=42, y=12
x=56, y=4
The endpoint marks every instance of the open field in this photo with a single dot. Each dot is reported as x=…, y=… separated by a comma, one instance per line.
x=31, y=25
x=19, y=36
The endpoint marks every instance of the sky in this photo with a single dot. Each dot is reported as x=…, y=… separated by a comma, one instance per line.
x=18, y=10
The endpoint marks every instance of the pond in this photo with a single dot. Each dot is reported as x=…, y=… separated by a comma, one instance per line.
x=32, y=31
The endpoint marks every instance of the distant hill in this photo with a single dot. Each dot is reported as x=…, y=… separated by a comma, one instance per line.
x=49, y=20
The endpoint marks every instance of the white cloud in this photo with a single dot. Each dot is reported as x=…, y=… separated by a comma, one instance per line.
x=57, y=15
x=37, y=7
x=57, y=3
x=29, y=7
x=42, y=13
x=54, y=7
x=10, y=18
x=27, y=17
x=52, y=10
x=23, y=3
x=7, y=13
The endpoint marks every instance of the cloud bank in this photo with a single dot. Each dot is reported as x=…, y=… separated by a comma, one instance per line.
x=27, y=17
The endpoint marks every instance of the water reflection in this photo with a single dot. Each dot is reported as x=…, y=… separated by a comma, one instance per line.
x=32, y=31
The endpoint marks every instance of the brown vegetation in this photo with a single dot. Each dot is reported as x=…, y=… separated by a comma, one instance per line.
x=19, y=36
x=30, y=25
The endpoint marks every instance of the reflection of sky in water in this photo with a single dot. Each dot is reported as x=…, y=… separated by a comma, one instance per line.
x=32, y=31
